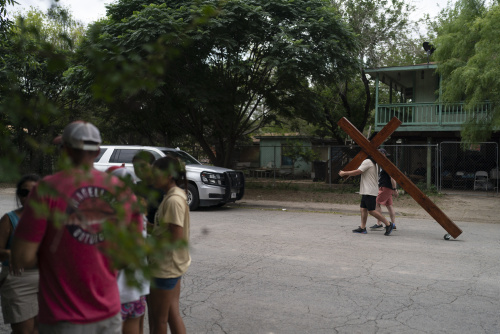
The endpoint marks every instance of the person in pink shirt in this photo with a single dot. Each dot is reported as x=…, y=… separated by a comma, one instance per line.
x=61, y=231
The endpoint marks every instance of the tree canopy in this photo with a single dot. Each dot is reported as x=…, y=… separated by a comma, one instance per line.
x=35, y=55
x=219, y=68
x=5, y=23
x=467, y=49
x=384, y=34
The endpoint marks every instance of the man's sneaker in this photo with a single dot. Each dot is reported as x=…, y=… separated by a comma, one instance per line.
x=360, y=230
x=388, y=229
x=377, y=227
x=394, y=228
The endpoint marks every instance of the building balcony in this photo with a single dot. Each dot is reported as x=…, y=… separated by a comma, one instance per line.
x=430, y=116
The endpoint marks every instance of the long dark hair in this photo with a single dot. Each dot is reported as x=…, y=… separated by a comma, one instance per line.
x=174, y=167
x=22, y=181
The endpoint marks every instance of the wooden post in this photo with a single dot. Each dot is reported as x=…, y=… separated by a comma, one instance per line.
x=401, y=179
x=376, y=141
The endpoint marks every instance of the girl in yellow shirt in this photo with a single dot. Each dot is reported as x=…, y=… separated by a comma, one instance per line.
x=172, y=225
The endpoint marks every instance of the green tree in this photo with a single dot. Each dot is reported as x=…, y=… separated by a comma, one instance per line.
x=298, y=152
x=5, y=23
x=467, y=48
x=35, y=105
x=385, y=32
x=35, y=56
x=216, y=70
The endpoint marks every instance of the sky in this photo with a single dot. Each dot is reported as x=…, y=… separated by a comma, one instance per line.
x=88, y=11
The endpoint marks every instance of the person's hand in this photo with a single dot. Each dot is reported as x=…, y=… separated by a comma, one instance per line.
x=341, y=173
x=395, y=192
x=15, y=271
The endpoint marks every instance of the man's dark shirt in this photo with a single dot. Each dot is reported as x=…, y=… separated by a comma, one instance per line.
x=384, y=180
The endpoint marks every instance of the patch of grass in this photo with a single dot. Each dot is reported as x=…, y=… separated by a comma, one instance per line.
x=272, y=186
x=431, y=191
x=8, y=179
x=307, y=187
x=334, y=189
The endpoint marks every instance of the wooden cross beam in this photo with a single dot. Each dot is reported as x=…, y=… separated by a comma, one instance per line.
x=401, y=179
x=378, y=140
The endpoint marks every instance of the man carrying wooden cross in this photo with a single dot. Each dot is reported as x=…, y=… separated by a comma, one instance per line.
x=368, y=189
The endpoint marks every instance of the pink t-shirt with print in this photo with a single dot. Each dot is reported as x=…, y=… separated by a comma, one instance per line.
x=77, y=283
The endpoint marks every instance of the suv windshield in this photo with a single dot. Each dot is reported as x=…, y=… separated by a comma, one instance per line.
x=186, y=158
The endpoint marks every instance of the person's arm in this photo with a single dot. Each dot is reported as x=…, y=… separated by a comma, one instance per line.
x=175, y=219
x=394, y=189
x=23, y=254
x=176, y=232
x=350, y=173
x=5, y=232
x=28, y=235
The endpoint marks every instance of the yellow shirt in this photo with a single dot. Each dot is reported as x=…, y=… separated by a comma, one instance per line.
x=173, y=210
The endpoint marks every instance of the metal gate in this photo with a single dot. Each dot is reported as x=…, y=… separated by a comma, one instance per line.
x=472, y=169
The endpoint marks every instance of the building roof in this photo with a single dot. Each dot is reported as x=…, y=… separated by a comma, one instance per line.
x=424, y=66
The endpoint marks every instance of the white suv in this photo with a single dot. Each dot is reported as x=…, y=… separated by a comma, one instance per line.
x=207, y=185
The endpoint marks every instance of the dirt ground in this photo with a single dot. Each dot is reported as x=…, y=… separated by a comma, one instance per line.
x=464, y=207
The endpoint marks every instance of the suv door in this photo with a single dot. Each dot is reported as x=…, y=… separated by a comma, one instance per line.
x=126, y=155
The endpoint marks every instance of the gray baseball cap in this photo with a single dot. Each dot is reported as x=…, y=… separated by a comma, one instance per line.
x=81, y=135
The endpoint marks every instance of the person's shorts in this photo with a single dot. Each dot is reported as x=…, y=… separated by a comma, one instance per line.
x=134, y=309
x=165, y=283
x=384, y=196
x=111, y=325
x=368, y=202
x=19, y=296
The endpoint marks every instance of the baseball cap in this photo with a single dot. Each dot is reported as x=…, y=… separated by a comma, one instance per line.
x=120, y=172
x=81, y=135
x=112, y=169
x=384, y=152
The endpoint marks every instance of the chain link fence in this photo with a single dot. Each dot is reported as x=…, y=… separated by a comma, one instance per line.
x=447, y=167
x=474, y=168
x=418, y=162
x=444, y=167
x=322, y=163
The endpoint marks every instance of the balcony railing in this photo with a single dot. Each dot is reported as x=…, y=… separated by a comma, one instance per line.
x=431, y=114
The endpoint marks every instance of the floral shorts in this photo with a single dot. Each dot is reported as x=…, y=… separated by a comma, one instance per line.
x=134, y=309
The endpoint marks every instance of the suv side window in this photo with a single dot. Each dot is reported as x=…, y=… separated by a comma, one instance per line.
x=100, y=154
x=123, y=156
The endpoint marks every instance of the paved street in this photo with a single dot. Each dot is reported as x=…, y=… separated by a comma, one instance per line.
x=274, y=271
x=258, y=270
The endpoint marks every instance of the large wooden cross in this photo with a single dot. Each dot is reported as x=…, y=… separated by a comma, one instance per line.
x=371, y=148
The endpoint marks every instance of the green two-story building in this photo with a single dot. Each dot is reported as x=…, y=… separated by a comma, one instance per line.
x=415, y=98
x=413, y=95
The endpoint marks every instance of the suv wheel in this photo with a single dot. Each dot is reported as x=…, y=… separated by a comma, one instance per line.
x=193, y=199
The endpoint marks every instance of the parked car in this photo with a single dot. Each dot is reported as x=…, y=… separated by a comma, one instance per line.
x=207, y=185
